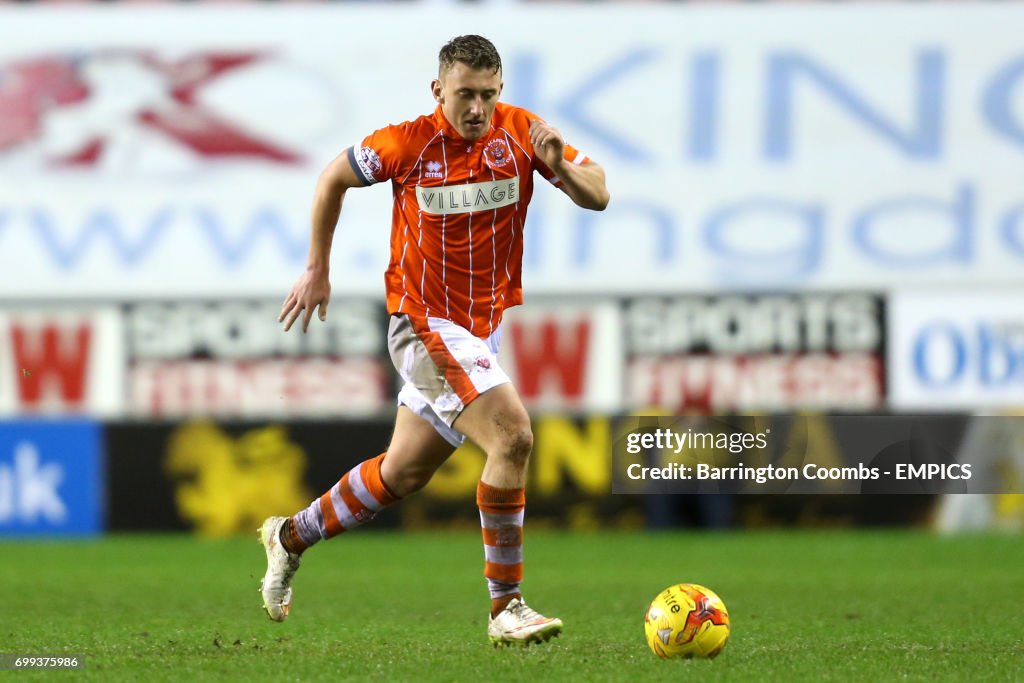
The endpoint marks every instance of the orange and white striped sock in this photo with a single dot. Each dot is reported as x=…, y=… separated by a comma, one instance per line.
x=501, y=518
x=356, y=499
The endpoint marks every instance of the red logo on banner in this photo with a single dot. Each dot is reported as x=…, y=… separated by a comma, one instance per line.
x=551, y=358
x=52, y=362
x=88, y=100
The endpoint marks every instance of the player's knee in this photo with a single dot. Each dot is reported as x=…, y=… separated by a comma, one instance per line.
x=403, y=477
x=517, y=445
x=409, y=480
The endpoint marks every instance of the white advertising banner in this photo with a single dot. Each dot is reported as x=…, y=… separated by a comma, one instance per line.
x=956, y=350
x=565, y=356
x=61, y=360
x=172, y=151
x=770, y=352
x=229, y=359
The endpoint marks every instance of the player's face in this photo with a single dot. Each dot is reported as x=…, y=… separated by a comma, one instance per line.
x=467, y=97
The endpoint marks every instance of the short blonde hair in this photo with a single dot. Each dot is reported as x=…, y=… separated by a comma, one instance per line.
x=474, y=51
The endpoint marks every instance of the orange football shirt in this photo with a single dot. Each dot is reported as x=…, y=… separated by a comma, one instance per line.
x=458, y=215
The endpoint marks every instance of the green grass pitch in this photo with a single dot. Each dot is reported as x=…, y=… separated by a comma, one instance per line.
x=809, y=606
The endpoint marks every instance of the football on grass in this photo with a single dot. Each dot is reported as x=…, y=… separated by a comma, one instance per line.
x=686, y=621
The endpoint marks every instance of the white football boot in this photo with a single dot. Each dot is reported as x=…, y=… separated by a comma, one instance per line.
x=276, y=586
x=518, y=624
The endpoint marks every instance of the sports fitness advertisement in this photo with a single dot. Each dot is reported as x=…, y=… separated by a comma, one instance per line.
x=770, y=352
x=227, y=358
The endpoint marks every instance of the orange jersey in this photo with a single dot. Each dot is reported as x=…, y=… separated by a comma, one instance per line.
x=458, y=216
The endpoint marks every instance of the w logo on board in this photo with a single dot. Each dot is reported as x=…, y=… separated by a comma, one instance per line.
x=61, y=361
x=53, y=360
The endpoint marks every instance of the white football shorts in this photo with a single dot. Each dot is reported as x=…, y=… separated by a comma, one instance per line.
x=444, y=368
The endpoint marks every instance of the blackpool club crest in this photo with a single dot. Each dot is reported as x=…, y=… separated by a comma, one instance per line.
x=497, y=153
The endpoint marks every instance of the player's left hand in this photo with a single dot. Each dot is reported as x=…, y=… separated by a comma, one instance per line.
x=548, y=143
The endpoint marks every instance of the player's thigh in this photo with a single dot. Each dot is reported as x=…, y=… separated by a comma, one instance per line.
x=497, y=421
x=415, y=452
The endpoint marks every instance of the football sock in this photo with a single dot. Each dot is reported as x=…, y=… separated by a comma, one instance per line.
x=356, y=499
x=498, y=604
x=501, y=519
x=290, y=539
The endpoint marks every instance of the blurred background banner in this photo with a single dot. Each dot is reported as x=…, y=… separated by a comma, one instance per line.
x=817, y=209
x=62, y=359
x=956, y=349
x=732, y=353
x=579, y=355
x=854, y=146
x=228, y=358
x=221, y=478
x=51, y=478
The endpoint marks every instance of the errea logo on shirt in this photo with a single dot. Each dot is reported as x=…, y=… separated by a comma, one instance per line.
x=446, y=199
x=433, y=170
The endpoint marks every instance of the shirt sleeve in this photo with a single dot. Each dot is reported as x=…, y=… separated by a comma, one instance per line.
x=378, y=156
x=572, y=155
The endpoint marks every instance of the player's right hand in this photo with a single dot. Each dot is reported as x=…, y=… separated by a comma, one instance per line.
x=311, y=290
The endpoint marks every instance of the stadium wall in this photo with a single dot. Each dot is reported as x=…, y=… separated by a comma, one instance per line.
x=798, y=225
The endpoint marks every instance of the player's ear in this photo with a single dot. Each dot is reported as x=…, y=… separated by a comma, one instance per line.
x=435, y=89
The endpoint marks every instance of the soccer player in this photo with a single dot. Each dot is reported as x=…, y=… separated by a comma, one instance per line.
x=462, y=178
